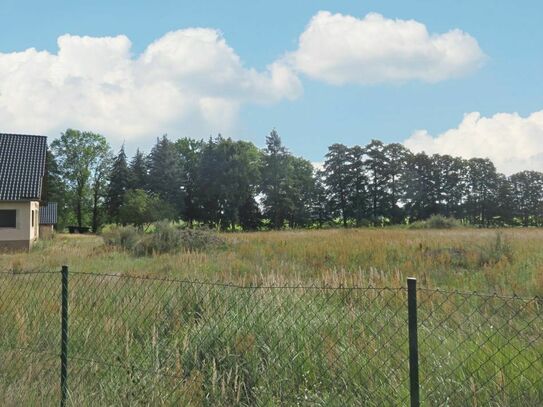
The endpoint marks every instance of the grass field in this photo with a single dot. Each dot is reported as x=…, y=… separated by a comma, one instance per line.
x=136, y=341
x=506, y=262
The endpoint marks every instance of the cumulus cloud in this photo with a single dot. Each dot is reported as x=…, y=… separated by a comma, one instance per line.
x=514, y=143
x=341, y=49
x=318, y=165
x=187, y=82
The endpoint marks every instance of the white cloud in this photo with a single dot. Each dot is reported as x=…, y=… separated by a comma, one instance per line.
x=341, y=49
x=318, y=165
x=514, y=143
x=188, y=82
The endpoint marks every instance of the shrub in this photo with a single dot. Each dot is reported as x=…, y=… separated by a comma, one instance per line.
x=164, y=238
x=121, y=236
x=441, y=222
x=419, y=224
x=435, y=222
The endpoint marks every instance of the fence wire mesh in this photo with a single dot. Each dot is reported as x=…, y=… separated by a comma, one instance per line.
x=480, y=350
x=29, y=339
x=149, y=341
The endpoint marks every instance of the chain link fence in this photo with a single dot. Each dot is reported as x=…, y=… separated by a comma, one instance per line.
x=150, y=341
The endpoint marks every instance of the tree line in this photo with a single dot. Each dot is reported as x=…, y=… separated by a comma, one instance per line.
x=232, y=185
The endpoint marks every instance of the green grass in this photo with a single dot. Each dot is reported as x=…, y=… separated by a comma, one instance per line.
x=139, y=338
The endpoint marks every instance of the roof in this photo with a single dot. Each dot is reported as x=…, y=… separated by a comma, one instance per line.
x=48, y=214
x=22, y=166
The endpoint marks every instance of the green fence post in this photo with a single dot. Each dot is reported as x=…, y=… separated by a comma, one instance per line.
x=64, y=339
x=413, y=342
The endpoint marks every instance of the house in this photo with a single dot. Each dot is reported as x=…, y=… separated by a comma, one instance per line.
x=22, y=169
x=48, y=219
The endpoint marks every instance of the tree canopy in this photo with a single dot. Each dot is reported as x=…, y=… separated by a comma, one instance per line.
x=232, y=184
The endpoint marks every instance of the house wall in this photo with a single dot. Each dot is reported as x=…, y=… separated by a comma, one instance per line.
x=24, y=234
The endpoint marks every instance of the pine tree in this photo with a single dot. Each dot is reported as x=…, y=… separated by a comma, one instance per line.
x=190, y=151
x=358, y=197
x=119, y=183
x=376, y=165
x=397, y=157
x=528, y=196
x=301, y=184
x=450, y=184
x=506, y=210
x=482, y=187
x=138, y=172
x=320, y=207
x=228, y=175
x=166, y=174
x=250, y=217
x=275, y=181
x=338, y=179
x=420, y=193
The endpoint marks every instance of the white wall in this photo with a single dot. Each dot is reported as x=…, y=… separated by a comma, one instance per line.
x=24, y=230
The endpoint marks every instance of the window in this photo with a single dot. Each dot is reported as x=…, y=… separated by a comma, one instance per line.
x=8, y=218
x=32, y=218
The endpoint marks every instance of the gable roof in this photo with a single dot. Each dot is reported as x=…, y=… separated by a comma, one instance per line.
x=22, y=166
x=48, y=214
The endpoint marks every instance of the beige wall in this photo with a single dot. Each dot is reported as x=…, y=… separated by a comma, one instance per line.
x=25, y=233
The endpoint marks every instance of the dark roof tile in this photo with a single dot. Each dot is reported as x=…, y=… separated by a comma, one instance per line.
x=22, y=166
x=48, y=214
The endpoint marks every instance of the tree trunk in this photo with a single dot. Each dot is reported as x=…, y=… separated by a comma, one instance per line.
x=79, y=210
x=95, y=213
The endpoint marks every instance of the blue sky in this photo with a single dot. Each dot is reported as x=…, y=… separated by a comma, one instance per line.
x=509, y=79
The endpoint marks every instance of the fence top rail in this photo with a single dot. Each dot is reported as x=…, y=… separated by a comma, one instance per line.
x=240, y=286
x=13, y=273
x=207, y=283
x=479, y=294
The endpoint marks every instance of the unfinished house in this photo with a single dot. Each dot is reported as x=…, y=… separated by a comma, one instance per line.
x=22, y=169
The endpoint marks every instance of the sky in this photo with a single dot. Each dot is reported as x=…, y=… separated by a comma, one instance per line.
x=452, y=77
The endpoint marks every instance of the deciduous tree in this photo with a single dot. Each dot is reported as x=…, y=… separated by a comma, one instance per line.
x=82, y=157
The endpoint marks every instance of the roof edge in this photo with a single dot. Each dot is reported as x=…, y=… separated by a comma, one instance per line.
x=22, y=135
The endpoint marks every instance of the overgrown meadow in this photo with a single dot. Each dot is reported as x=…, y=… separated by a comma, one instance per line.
x=279, y=318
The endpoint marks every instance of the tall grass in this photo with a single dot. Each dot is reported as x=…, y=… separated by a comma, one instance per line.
x=139, y=338
x=164, y=238
x=161, y=342
x=506, y=262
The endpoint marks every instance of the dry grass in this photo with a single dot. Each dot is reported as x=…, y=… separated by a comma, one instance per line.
x=463, y=259
x=156, y=342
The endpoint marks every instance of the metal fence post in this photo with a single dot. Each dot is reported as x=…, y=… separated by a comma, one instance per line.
x=64, y=339
x=413, y=342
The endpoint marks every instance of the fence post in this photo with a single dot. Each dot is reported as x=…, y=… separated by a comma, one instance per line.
x=413, y=342
x=64, y=339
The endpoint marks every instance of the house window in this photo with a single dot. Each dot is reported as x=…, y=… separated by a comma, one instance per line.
x=8, y=218
x=32, y=218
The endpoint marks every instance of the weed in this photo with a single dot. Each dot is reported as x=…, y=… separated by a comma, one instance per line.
x=164, y=238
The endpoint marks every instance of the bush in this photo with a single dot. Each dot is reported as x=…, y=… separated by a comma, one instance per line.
x=121, y=236
x=435, y=222
x=164, y=238
x=199, y=240
x=441, y=222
